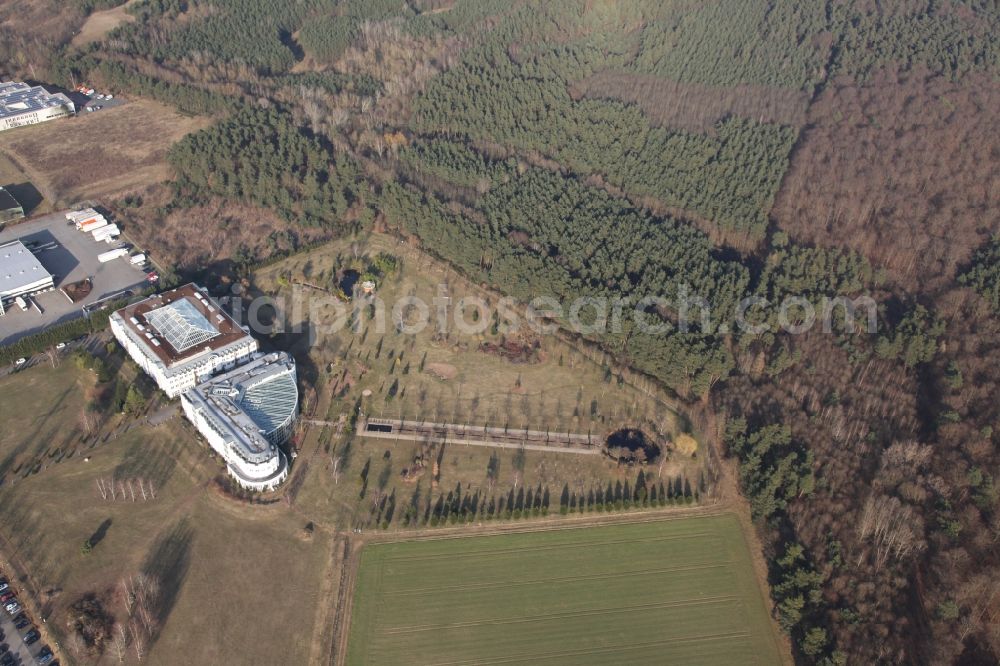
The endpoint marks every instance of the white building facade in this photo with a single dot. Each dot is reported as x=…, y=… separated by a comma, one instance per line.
x=245, y=415
x=175, y=379
x=242, y=402
x=21, y=104
x=180, y=338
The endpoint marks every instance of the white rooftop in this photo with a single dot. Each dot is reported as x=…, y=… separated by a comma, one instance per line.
x=250, y=403
x=19, y=268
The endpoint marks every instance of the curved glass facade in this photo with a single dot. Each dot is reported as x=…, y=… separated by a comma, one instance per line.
x=272, y=404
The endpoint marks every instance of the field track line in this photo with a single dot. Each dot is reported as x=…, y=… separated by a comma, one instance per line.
x=560, y=523
x=324, y=626
x=415, y=629
x=562, y=579
x=616, y=649
x=342, y=616
x=555, y=546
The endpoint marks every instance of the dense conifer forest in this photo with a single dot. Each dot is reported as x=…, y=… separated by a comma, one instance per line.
x=557, y=147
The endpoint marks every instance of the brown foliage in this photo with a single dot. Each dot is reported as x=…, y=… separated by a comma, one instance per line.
x=691, y=106
x=28, y=31
x=899, y=170
x=88, y=619
x=902, y=523
x=199, y=236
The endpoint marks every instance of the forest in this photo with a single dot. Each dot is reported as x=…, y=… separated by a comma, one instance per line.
x=255, y=32
x=730, y=178
x=325, y=36
x=541, y=231
x=779, y=43
x=984, y=273
x=456, y=163
x=260, y=157
x=743, y=148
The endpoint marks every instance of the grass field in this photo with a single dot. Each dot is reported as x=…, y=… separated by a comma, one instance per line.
x=448, y=377
x=49, y=404
x=444, y=378
x=670, y=592
x=101, y=22
x=226, y=570
x=97, y=155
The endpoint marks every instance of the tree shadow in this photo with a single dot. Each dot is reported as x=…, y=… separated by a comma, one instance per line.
x=167, y=563
x=146, y=462
x=99, y=534
x=46, y=431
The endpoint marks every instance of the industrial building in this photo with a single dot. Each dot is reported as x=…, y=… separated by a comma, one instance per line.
x=21, y=274
x=10, y=209
x=21, y=104
x=181, y=337
x=246, y=414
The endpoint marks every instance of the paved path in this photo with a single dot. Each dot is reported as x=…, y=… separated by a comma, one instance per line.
x=162, y=415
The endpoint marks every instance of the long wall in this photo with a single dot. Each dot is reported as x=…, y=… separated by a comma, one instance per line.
x=35, y=117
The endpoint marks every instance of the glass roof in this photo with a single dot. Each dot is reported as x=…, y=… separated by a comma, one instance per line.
x=270, y=403
x=181, y=325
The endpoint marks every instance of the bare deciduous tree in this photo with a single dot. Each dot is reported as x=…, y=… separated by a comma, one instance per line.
x=120, y=642
x=138, y=639
x=892, y=528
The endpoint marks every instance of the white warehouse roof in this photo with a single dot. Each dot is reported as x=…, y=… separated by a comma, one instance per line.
x=20, y=271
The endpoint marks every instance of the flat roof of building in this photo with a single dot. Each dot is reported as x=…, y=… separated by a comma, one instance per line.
x=180, y=324
x=250, y=402
x=19, y=268
x=17, y=98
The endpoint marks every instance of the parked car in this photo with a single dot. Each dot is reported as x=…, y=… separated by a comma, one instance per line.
x=32, y=637
x=9, y=605
x=21, y=361
x=4, y=586
x=13, y=608
x=6, y=596
x=44, y=656
x=21, y=621
x=7, y=660
x=61, y=345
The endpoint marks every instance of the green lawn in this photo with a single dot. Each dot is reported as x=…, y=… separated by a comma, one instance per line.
x=678, y=591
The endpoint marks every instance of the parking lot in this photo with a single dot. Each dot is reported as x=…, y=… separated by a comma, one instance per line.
x=71, y=256
x=14, y=648
x=86, y=105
